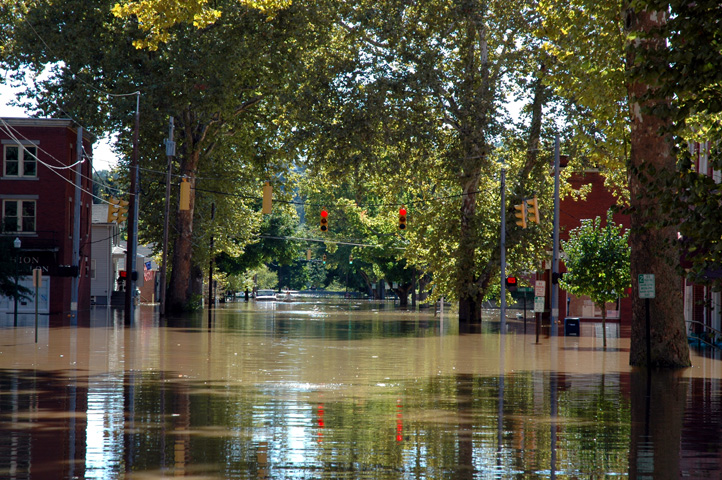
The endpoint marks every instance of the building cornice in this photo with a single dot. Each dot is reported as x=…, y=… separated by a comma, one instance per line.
x=47, y=123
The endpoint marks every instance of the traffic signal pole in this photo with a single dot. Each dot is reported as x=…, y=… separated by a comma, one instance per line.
x=132, y=222
x=76, y=231
x=170, y=153
x=502, y=305
x=555, y=254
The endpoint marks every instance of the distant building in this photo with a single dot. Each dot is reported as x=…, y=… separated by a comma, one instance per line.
x=103, y=266
x=37, y=192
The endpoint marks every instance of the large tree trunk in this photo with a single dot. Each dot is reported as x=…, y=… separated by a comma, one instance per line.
x=469, y=296
x=179, y=289
x=651, y=248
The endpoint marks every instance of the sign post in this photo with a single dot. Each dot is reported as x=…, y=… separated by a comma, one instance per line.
x=645, y=282
x=539, y=295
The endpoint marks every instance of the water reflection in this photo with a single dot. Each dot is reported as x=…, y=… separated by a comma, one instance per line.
x=345, y=390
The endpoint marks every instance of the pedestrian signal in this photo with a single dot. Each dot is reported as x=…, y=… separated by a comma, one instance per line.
x=520, y=214
x=324, y=220
x=402, y=218
x=511, y=283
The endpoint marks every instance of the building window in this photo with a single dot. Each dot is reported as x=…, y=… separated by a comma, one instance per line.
x=19, y=216
x=21, y=161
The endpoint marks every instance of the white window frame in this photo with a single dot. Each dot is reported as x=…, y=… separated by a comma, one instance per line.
x=20, y=222
x=23, y=151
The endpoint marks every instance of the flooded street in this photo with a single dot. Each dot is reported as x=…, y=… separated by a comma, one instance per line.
x=344, y=390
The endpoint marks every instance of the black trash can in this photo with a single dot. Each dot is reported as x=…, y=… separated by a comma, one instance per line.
x=571, y=326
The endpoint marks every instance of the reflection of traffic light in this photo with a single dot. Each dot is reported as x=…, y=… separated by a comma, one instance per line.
x=520, y=214
x=324, y=220
x=122, y=277
x=533, y=210
x=402, y=218
x=511, y=284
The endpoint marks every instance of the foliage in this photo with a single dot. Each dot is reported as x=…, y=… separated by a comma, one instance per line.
x=158, y=17
x=687, y=72
x=265, y=278
x=424, y=86
x=222, y=84
x=585, y=41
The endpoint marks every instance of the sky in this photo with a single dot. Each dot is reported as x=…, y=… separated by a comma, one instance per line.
x=103, y=156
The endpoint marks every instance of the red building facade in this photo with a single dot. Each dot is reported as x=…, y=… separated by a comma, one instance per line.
x=38, y=206
x=572, y=211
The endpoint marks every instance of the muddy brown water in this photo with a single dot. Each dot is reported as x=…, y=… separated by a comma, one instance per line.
x=343, y=390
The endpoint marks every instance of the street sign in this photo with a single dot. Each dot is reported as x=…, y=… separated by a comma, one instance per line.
x=646, y=285
x=540, y=287
x=538, y=304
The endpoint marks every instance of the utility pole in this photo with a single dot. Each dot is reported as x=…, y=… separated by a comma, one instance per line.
x=555, y=255
x=132, y=222
x=76, y=230
x=170, y=153
x=210, y=267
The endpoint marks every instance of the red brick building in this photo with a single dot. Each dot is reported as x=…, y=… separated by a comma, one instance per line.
x=571, y=212
x=38, y=197
x=702, y=305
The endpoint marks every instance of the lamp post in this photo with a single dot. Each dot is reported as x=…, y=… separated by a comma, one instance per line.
x=16, y=243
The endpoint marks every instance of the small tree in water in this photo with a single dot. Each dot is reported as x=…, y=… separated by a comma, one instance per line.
x=598, y=263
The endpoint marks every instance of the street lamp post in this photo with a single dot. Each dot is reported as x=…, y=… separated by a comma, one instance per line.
x=16, y=243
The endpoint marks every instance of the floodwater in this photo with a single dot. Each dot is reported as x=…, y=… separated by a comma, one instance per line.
x=344, y=390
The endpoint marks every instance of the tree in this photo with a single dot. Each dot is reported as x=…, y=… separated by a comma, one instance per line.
x=424, y=85
x=687, y=73
x=653, y=236
x=597, y=262
x=613, y=64
x=221, y=83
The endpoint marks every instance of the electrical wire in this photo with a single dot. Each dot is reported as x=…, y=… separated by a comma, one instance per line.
x=13, y=137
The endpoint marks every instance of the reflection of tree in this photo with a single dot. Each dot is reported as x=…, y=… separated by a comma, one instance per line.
x=657, y=416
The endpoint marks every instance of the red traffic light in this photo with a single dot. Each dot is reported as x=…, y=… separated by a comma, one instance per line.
x=402, y=218
x=324, y=214
x=402, y=211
